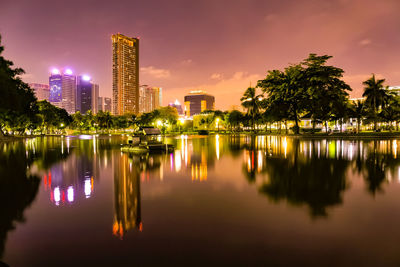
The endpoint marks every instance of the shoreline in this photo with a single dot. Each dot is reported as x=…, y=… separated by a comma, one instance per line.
x=343, y=136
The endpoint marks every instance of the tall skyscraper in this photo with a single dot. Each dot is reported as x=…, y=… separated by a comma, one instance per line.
x=63, y=90
x=42, y=91
x=198, y=101
x=125, y=74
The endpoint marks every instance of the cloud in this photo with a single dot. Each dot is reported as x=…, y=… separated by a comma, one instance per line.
x=216, y=76
x=227, y=91
x=270, y=17
x=27, y=77
x=365, y=42
x=186, y=62
x=156, y=73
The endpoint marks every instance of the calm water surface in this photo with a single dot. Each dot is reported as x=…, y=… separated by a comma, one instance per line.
x=216, y=200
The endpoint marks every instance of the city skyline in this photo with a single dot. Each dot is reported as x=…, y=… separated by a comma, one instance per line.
x=222, y=55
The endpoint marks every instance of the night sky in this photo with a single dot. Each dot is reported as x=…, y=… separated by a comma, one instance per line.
x=217, y=45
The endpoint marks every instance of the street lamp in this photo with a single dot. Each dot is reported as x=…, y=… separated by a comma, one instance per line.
x=218, y=124
x=181, y=121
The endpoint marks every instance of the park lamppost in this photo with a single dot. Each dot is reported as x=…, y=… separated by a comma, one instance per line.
x=217, y=124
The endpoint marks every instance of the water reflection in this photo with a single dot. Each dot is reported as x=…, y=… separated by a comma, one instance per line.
x=19, y=183
x=314, y=172
x=126, y=194
x=310, y=173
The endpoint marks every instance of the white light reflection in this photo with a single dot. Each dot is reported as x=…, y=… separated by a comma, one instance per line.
x=70, y=194
x=57, y=195
x=217, y=145
x=285, y=145
x=178, y=160
x=88, y=188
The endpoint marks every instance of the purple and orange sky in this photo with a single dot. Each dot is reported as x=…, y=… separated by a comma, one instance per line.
x=216, y=45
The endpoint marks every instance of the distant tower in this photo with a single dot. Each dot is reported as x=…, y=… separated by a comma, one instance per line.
x=100, y=104
x=63, y=90
x=125, y=74
x=178, y=106
x=198, y=101
x=87, y=95
x=107, y=104
x=42, y=91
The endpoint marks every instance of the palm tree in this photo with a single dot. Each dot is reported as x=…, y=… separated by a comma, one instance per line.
x=391, y=112
x=376, y=96
x=358, y=112
x=252, y=102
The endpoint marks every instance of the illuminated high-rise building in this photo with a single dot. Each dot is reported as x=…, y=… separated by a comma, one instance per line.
x=149, y=98
x=125, y=74
x=198, y=101
x=42, y=91
x=157, y=93
x=87, y=94
x=63, y=90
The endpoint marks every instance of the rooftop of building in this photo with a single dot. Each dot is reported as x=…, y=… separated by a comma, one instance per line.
x=198, y=92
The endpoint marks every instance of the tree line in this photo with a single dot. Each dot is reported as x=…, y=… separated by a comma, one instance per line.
x=316, y=90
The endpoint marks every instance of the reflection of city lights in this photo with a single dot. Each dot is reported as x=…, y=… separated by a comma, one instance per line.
x=394, y=148
x=217, y=145
x=70, y=194
x=259, y=161
x=285, y=145
x=57, y=195
x=177, y=160
x=88, y=190
x=85, y=137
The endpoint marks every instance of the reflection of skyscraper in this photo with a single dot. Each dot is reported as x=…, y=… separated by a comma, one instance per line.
x=127, y=196
x=70, y=180
x=125, y=74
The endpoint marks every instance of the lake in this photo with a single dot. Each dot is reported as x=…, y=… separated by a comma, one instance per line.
x=216, y=200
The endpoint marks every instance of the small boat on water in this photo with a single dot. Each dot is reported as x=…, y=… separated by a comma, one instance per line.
x=146, y=141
